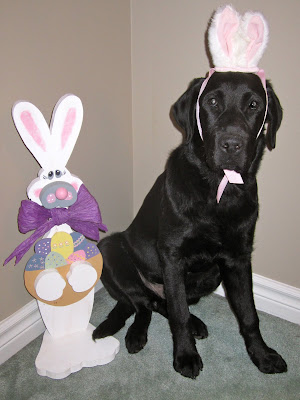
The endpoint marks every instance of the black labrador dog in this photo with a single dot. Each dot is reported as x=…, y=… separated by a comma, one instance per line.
x=182, y=244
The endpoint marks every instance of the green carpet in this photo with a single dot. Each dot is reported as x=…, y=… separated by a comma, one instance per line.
x=228, y=373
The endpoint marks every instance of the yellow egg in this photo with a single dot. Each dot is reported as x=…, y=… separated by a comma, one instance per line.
x=62, y=243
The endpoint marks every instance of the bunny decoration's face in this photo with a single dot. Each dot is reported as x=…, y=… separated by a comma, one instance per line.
x=54, y=189
x=55, y=186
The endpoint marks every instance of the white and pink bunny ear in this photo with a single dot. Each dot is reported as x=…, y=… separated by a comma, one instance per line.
x=224, y=26
x=257, y=33
x=33, y=130
x=65, y=127
x=237, y=43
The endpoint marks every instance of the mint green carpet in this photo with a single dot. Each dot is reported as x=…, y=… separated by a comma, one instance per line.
x=228, y=373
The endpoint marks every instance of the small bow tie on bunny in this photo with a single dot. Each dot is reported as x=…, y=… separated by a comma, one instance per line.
x=83, y=216
x=236, y=44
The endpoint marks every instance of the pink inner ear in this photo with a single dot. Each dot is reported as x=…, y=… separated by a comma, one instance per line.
x=228, y=25
x=256, y=34
x=68, y=126
x=32, y=129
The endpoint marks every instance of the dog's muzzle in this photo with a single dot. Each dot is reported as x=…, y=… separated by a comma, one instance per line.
x=230, y=144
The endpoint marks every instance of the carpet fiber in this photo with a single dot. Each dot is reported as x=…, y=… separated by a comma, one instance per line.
x=228, y=373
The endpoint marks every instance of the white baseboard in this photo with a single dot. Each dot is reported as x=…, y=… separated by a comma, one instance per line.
x=274, y=298
x=21, y=328
x=26, y=324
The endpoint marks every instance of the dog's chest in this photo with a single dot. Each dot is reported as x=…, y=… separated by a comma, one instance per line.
x=209, y=237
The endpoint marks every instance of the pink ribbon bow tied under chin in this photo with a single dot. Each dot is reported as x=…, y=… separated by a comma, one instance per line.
x=83, y=216
x=231, y=177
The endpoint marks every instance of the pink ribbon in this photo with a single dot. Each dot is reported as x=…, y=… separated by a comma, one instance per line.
x=231, y=177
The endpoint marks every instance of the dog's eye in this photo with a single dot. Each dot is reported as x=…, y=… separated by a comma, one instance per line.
x=213, y=102
x=58, y=173
x=253, y=105
x=50, y=175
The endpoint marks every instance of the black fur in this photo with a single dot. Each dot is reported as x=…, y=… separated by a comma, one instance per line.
x=182, y=244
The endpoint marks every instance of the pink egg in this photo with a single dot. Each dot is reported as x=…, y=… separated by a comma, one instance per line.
x=76, y=256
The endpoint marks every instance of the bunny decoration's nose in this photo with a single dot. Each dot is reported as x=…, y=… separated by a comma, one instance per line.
x=61, y=193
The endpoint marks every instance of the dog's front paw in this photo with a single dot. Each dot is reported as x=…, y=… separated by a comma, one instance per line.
x=268, y=361
x=188, y=365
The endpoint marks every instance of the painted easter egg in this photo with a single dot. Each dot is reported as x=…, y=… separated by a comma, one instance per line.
x=54, y=260
x=62, y=243
x=91, y=250
x=79, y=241
x=76, y=256
x=36, y=262
x=43, y=246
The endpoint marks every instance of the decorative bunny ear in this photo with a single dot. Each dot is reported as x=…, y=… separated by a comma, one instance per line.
x=237, y=43
x=65, y=127
x=33, y=130
x=50, y=147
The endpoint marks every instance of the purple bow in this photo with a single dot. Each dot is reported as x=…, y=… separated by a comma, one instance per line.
x=83, y=216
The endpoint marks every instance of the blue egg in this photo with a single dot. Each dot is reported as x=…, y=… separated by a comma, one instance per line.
x=79, y=241
x=43, y=247
x=36, y=263
x=91, y=250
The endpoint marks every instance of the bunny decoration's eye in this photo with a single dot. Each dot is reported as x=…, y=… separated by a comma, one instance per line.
x=50, y=175
x=58, y=173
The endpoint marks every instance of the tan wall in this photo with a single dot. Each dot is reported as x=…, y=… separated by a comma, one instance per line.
x=167, y=52
x=49, y=48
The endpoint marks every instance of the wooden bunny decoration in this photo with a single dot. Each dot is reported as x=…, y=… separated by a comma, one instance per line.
x=65, y=267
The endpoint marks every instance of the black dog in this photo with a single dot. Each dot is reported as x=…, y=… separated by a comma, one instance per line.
x=182, y=244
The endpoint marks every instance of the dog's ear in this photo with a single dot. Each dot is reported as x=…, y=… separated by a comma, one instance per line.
x=183, y=112
x=274, y=117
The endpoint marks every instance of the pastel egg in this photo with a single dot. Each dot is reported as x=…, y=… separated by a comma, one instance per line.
x=91, y=250
x=77, y=256
x=79, y=241
x=43, y=246
x=36, y=262
x=54, y=260
x=62, y=243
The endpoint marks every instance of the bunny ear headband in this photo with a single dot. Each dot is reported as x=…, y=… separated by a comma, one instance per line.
x=236, y=44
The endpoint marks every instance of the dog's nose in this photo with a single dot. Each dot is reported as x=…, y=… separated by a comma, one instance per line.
x=231, y=145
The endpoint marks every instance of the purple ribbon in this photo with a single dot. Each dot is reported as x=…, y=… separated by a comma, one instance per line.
x=83, y=216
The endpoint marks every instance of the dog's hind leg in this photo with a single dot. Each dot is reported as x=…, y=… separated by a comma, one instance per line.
x=198, y=327
x=136, y=337
x=115, y=321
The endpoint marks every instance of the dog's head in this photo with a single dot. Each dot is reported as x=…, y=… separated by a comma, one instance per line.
x=232, y=111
